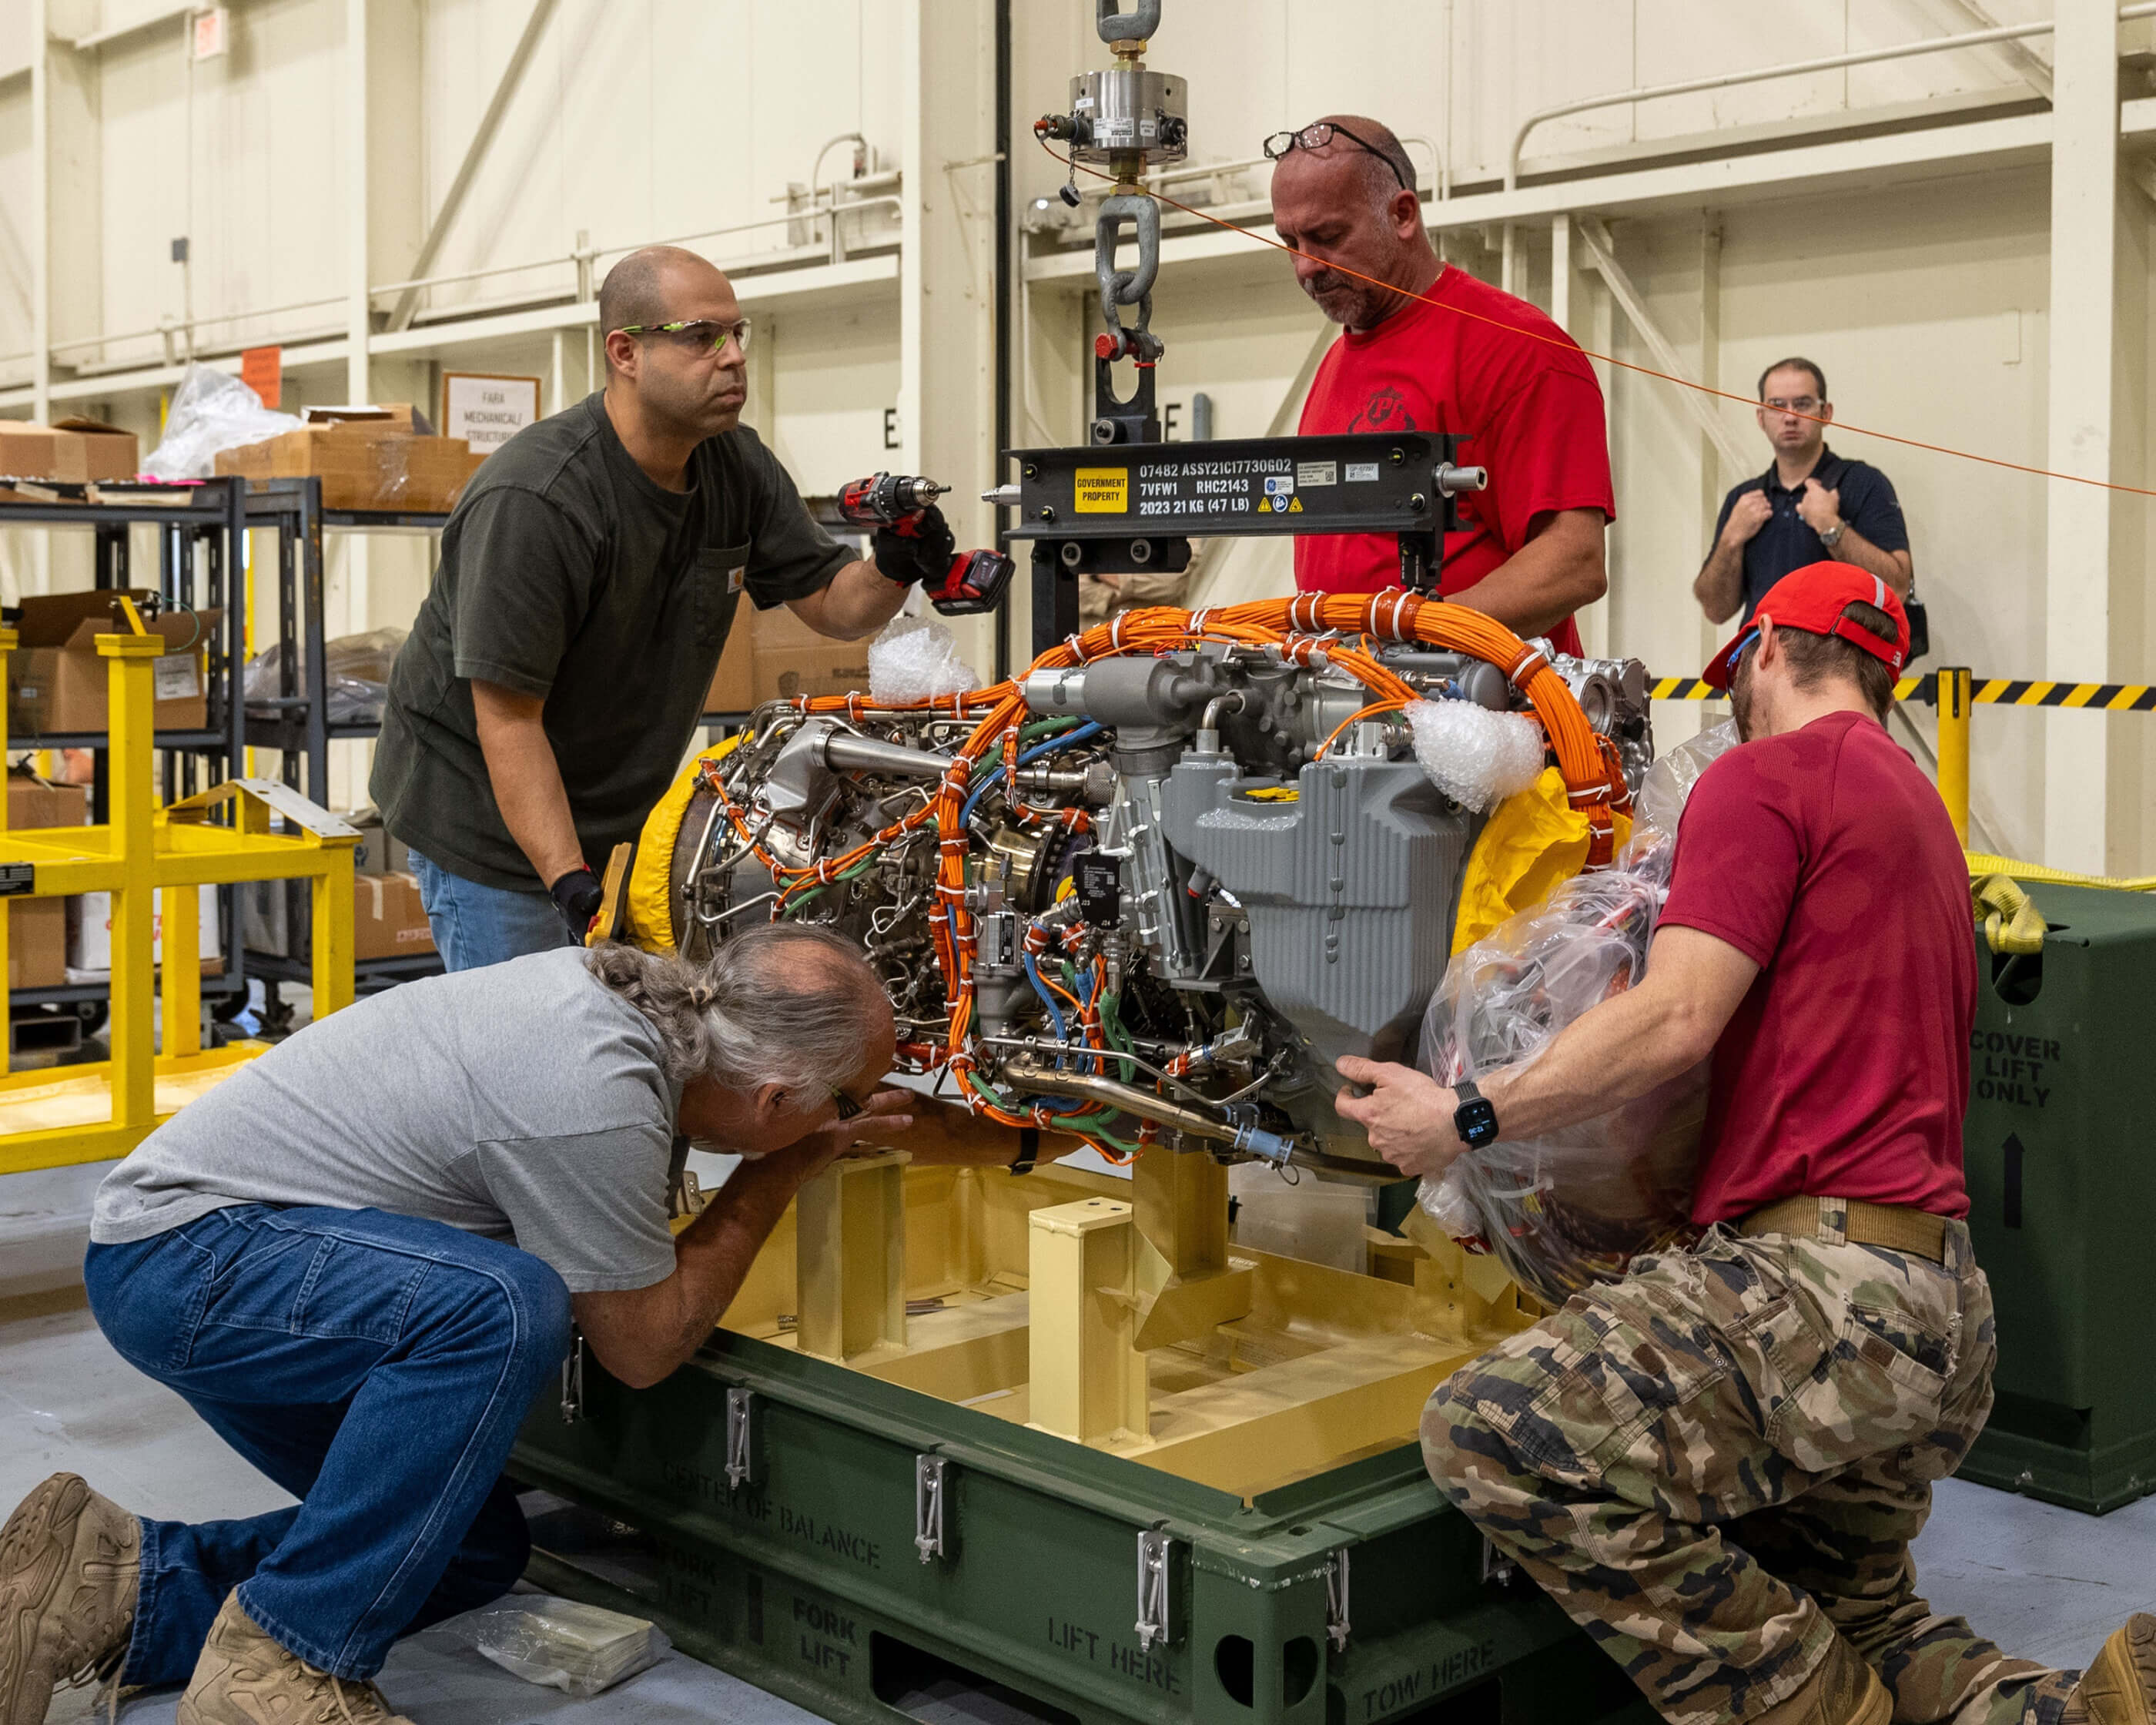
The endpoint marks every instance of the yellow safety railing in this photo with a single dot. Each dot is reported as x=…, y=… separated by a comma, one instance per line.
x=1956, y=691
x=101, y=1110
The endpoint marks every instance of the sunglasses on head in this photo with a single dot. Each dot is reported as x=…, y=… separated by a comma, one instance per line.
x=1317, y=137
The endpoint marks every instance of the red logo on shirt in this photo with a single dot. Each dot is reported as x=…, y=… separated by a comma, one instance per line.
x=1386, y=410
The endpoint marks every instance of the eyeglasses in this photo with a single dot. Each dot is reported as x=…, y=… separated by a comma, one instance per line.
x=1797, y=405
x=701, y=331
x=847, y=1107
x=1317, y=137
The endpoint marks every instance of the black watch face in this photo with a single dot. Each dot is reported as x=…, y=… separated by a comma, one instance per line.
x=1476, y=1122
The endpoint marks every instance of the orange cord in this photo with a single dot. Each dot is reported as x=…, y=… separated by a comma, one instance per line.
x=1370, y=711
x=1566, y=342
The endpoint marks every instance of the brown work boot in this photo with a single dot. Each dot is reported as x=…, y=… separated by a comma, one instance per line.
x=1844, y=1691
x=2119, y=1687
x=245, y=1678
x=68, y=1562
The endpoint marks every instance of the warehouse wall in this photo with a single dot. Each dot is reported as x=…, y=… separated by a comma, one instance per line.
x=656, y=119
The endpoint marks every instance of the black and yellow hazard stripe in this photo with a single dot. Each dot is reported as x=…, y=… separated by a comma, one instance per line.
x=1990, y=691
x=2105, y=697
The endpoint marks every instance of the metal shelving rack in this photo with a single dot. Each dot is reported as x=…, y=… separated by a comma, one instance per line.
x=209, y=515
x=299, y=728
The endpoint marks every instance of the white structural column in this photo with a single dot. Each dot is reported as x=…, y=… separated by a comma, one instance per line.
x=359, y=383
x=358, y=330
x=41, y=213
x=2077, y=586
x=946, y=263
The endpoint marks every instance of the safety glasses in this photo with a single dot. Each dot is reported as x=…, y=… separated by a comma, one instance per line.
x=1317, y=137
x=701, y=332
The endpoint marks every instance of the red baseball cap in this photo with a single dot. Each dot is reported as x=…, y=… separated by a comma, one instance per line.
x=1812, y=598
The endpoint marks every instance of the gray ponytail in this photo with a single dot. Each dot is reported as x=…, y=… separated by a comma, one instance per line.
x=778, y=1003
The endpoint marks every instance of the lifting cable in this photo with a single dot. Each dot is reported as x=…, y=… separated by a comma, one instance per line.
x=1565, y=342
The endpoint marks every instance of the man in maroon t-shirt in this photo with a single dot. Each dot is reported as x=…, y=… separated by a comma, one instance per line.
x=1717, y=1464
x=1427, y=347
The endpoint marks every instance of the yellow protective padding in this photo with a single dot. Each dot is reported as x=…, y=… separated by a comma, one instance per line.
x=1982, y=863
x=651, y=923
x=1535, y=842
x=2008, y=916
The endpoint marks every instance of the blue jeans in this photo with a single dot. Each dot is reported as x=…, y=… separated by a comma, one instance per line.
x=376, y=1367
x=476, y=925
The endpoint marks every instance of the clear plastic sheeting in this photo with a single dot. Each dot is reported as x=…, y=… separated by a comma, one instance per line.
x=916, y=659
x=561, y=1643
x=359, y=670
x=1577, y=1206
x=1476, y=757
x=210, y=411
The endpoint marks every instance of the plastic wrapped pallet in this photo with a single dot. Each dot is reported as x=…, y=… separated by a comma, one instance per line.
x=1575, y=1206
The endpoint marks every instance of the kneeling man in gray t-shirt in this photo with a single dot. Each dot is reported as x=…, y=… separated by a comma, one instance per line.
x=358, y=1259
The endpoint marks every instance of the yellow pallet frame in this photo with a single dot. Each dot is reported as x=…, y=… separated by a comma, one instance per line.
x=97, y=1111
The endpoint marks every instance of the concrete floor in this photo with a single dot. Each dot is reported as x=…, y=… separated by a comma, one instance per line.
x=2044, y=1583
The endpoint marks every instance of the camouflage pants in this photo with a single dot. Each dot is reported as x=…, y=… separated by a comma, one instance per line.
x=1718, y=1463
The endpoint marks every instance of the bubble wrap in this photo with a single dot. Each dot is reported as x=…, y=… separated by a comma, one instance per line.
x=1476, y=757
x=915, y=659
x=1575, y=1206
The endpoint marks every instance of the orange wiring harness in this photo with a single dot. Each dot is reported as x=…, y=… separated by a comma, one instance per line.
x=1310, y=630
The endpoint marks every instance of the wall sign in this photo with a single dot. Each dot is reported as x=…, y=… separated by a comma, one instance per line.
x=487, y=410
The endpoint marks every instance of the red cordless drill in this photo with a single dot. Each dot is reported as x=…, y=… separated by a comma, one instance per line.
x=905, y=504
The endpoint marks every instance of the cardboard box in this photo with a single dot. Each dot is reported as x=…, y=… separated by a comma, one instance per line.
x=76, y=450
x=58, y=682
x=37, y=942
x=28, y=450
x=387, y=919
x=733, y=684
x=371, y=856
x=791, y=659
x=368, y=457
x=90, y=933
x=91, y=450
x=34, y=803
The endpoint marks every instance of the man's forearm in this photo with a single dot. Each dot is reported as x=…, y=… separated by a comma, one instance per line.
x=713, y=1254
x=857, y=601
x=1719, y=587
x=527, y=782
x=943, y=1134
x=1545, y=581
x=1612, y=1055
x=1853, y=548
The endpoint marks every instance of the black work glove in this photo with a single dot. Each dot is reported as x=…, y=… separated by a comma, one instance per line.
x=919, y=548
x=577, y=896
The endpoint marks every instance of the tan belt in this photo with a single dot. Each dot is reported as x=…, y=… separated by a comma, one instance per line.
x=1895, y=1226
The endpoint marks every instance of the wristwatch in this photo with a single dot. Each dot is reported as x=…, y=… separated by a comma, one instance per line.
x=1832, y=536
x=1476, y=1118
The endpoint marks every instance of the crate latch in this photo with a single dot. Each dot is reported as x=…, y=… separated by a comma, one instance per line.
x=572, y=1379
x=1156, y=1619
x=1335, y=1599
x=928, y=1506
x=741, y=1456
x=1497, y=1568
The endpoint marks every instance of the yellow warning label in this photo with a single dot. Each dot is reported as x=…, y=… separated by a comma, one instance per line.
x=1101, y=490
x=1295, y=505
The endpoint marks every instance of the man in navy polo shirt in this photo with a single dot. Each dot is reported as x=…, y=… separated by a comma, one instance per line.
x=1810, y=504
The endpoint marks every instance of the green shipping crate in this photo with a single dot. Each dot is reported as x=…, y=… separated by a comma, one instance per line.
x=2062, y=1197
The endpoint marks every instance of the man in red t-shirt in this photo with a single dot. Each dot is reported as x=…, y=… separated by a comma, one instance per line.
x=1427, y=347
x=1716, y=1463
